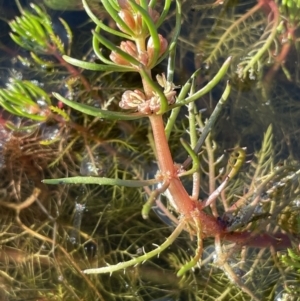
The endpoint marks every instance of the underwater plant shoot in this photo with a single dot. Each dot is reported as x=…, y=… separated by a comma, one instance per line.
x=140, y=185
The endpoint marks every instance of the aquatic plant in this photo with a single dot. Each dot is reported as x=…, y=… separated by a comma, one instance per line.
x=141, y=53
x=291, y=261
x=268, y=26
x=205, y=197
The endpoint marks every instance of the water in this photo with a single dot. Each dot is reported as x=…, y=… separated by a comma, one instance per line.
x=95, y=226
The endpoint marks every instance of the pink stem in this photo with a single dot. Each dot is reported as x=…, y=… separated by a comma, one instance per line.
x=181, y=198
x=264, y=240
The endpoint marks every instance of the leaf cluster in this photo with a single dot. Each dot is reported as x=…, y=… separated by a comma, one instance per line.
x=34, y=32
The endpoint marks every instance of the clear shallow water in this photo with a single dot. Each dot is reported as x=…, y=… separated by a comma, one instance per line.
x=110, y=227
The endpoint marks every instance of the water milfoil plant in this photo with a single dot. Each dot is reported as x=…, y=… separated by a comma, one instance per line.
x=160, y=101
x=140, y=141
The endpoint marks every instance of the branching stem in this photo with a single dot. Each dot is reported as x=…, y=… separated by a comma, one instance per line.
x=135, y=261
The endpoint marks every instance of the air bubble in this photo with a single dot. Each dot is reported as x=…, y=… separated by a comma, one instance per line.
x=74, y=235
x=90, y=167
x=50, y=133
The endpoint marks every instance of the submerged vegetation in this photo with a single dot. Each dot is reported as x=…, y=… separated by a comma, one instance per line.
x=159, y=179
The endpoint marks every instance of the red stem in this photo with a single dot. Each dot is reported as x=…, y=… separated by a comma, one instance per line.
x=181, y=198
x=73, y=71
x=264, y=240
x=52, y=50
x=280, y=59
x=185, y=204
x=210, y=226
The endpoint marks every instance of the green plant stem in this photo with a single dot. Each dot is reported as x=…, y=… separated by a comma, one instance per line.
x=197, y=257
x=210, y=124
x=145, y=257
x=153, y=196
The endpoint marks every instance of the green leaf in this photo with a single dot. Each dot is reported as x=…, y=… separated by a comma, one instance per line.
x=175, y=34
x=98, y=112
x=208, y=87
x=116, y=49
x=97, y=67
x=164, y=13
x=69, y=34
x=101, y=181
x=102, y=25
x=98, y=50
